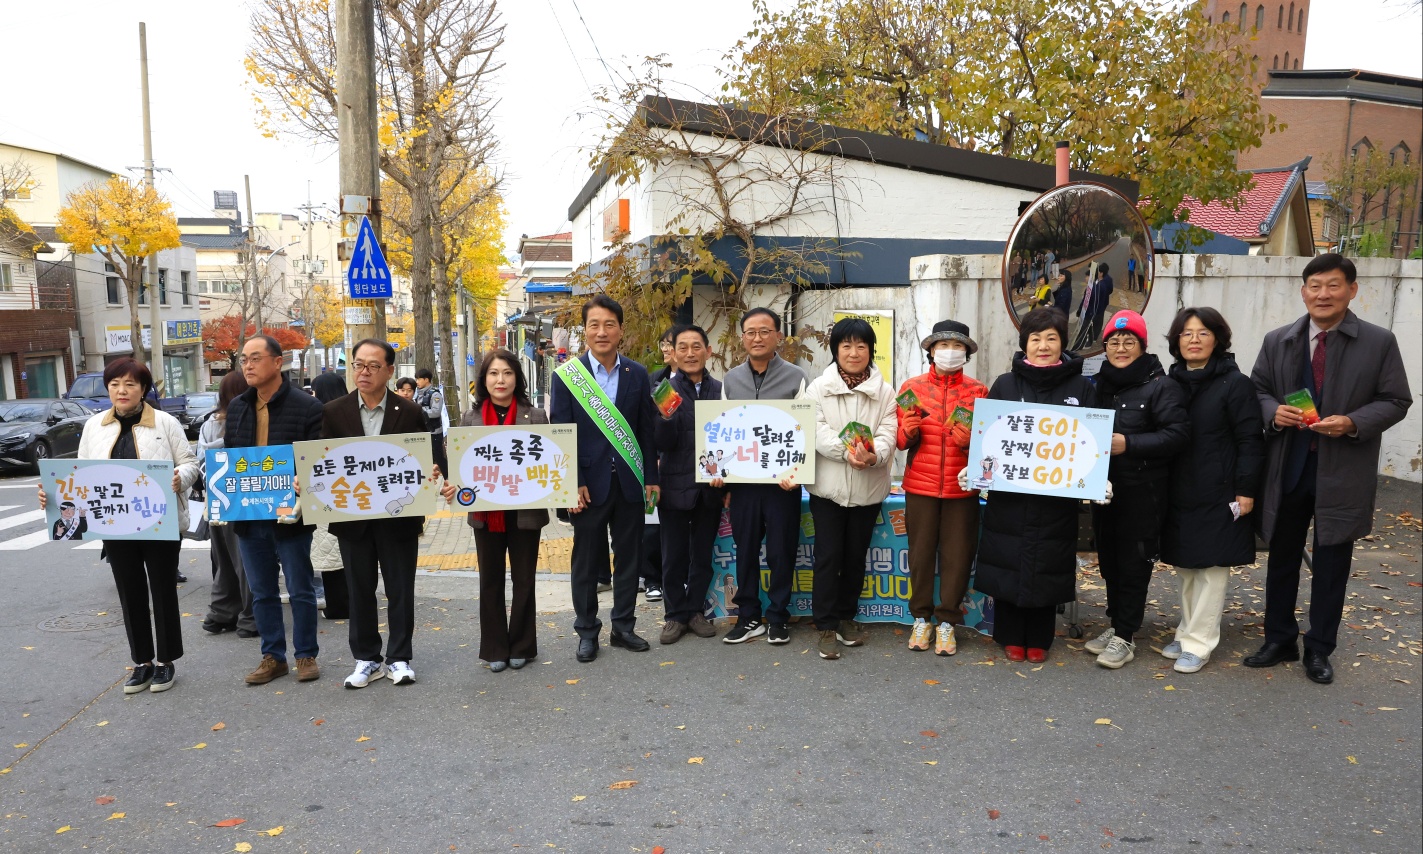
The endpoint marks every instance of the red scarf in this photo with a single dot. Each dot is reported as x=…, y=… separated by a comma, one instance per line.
x=494, y=519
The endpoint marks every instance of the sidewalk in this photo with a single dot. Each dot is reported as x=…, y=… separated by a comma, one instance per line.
x=448, y=546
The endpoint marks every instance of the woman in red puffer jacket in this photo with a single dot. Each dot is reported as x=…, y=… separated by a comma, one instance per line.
x=941, y=519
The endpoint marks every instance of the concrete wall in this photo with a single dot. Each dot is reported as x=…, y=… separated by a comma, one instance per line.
x=1255, y=293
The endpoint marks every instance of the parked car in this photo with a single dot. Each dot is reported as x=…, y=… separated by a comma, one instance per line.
x=35, y=429
x=198, y=408
x=88, y=390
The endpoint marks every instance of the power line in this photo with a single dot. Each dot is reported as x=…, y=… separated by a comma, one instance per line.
x=599, y=53
x=576, y=63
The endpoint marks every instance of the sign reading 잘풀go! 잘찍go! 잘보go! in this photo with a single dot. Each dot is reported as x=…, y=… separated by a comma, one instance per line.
x=1039, y=449
x=250, y=484
x=760, y=441
x=366, y=477
x=529, y=466
x=109, y=499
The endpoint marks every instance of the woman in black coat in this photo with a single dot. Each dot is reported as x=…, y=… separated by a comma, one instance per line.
x=1062, y=294
x=1149, y=428
x=1213, y=482
x=1027, y=551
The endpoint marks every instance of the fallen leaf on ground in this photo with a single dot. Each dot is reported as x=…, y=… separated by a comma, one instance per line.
x=104, y=800
x=994, y=814
x=219, y=726
x=1352, y=760
x=199, y=746
x=928, y=733
x=114, y=816
x=318, y=722
x=230, y=822
x=571, y=681
x=171, y=804
x=577, y=798
x=275, y=831
x=102, y=723
x=1103, y=721
x=623, y=784
x=242, y=847
x=665, y=663
x=22, y=744
x=363, y=738
x=695, y=760
x=64, y=829
x=683, y=726
x=931, y=682
x=1169, y=688
x=932, y=762
x=1387, y=709
x=658, y=849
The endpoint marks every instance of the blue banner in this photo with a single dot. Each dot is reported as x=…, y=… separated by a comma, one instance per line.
x=885, y=595
x=250, y=484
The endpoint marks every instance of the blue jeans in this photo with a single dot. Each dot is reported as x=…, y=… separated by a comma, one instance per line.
x=264, y=554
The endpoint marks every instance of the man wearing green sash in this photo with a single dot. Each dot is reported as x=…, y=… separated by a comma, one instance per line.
x=609, y=398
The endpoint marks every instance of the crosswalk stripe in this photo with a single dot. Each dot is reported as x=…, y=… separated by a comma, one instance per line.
x=21, y=519
x=28, y=541
x=8, y=506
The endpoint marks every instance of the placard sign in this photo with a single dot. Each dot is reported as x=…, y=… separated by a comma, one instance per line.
x=109, y=499
x=248, y=484
x=366, y=477
x=762, y=441
x=1040, y=449
x=527, y=466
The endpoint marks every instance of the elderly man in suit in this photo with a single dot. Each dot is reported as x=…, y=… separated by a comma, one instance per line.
x=610, y=399
x=382, y=547
x=1326, y=470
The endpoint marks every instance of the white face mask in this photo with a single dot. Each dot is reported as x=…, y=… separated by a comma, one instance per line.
x=948, y=359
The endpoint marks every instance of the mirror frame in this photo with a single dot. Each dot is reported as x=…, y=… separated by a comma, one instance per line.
x=1006, y=286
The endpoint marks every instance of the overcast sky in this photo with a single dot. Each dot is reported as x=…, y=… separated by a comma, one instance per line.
x=73, y=67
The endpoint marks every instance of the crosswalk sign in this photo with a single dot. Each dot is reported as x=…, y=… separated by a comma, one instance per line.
x=368, y=276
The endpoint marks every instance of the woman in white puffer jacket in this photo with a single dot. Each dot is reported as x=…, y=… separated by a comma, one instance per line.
x=850, y=482
x=133, y=429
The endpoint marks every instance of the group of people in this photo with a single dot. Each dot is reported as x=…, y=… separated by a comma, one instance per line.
x=1199, y=454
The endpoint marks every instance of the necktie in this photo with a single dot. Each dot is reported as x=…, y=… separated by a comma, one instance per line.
x=1317, y=363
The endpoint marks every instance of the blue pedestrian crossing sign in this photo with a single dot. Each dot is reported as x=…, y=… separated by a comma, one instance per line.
x=368, y=276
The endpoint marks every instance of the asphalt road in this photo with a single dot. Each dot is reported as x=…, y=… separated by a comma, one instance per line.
x=704, y=747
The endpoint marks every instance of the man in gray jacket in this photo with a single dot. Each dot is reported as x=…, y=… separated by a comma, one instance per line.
x=763, y=510
x=1326, y=470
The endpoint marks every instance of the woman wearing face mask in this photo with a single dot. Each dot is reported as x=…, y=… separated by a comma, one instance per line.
x=134, y=429
x=1150, y=427
x=1027, y=553
x=941, y=519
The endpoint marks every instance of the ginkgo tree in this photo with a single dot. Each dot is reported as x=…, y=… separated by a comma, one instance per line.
x=124, y=222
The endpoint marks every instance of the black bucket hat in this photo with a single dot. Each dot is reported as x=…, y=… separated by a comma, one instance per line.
x=950, y=330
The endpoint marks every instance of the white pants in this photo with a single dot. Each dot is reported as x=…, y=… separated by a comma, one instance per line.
x=1202, y=600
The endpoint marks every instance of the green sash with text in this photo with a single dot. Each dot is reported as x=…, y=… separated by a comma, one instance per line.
x=616, y=430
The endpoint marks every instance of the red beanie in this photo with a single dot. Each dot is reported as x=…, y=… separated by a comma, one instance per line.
x=1126, y=321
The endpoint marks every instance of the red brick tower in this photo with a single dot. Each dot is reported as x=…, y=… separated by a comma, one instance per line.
x=1274, y=31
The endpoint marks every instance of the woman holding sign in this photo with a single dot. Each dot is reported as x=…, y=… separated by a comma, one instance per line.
x=506, y=639
x=1150, y=426
x=1027, y=553
x=854, y=439
x=134, y=429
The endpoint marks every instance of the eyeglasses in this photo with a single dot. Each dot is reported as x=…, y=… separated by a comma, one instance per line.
x=1122, y=344
x=256, y=358
x=367, y=367
x=1202, y=335
x=757, y=333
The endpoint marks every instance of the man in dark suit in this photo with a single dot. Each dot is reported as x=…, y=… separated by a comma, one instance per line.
x=380, y=548
x=612, y=495
x=1327, y=470
x=72, y=523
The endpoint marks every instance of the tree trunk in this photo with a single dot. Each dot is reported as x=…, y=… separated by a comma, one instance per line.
x=133, y=282
x=443, y=327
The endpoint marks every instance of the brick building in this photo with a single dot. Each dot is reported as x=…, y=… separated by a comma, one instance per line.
x=1274, y=32
x=36, y=319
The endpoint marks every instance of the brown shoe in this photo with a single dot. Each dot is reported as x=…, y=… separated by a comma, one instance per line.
x=269, y=669
x=672, y=632
x=702, y=627
x=307, y=670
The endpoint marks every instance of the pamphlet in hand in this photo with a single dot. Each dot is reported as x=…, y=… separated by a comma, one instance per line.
x=666, y=398
x=858, y=435
x=1303, y=400
x=908, y=400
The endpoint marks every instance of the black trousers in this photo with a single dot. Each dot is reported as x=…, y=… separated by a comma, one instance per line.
x=437, y=452
x=368, y=559
x=1332, y=565
x=513, y=633
x=1031, y=628
x=687, y=538
x=764, y=511
x=842, y=537
x=591, y=529
x=650, y=570
x=144, y=569
x=1125, y=558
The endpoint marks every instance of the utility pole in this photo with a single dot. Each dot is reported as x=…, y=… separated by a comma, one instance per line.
x=358, y=150
x=306, y=295
x=155, y=312
x=254, y=285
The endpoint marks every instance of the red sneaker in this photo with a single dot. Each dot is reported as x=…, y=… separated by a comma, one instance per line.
x=1037, y=656
x=1015, y=653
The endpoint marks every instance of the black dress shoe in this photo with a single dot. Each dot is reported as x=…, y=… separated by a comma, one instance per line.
x=182, y=579
x=1317, y=667
x=629, y=640
x=1271, y=654
x=140, y=678
x=163, y=676
x=587, y=649
x=248, y=633
x=218, y=628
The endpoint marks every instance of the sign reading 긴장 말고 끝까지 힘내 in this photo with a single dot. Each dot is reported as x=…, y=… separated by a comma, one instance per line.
x=251, y=484
x=109, y=499
x=515, y=467
x=755, y=441
x=365, y=477
x=1040, y=449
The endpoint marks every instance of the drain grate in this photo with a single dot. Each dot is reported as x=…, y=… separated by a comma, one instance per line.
x=81, y=621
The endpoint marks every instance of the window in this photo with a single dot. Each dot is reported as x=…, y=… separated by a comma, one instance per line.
x=7, y=282
x=1276, y=63
x=111, y=284
x=185, y=287
x=1280, y=22
x=1244, y=10
x=74, y=410
x=143, y=291
x=1291, y=27
x=1296, y=65
x=162, y=287
x=202, y=286
x=1259, y=17
x=1287, y=59
x=1225, y=17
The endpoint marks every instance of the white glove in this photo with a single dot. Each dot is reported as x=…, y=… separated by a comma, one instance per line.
x=963, y=480
x=1107, y=498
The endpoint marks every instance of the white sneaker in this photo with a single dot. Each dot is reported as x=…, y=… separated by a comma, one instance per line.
x=365, y=673
x=1117, y=653
x=1189, y=662
x=401, y=673
x=321, y=603
x=1098, y=645
x=1172, y=650
x=921, y=635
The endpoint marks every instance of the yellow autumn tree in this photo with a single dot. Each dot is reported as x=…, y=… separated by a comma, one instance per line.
x=124, y=222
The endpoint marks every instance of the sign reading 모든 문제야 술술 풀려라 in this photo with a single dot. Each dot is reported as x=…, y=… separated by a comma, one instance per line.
x=1040, y=449
x=755, y=441
x=249, y=484
x=365, y=477
x=526, y=466
x=109, y=499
